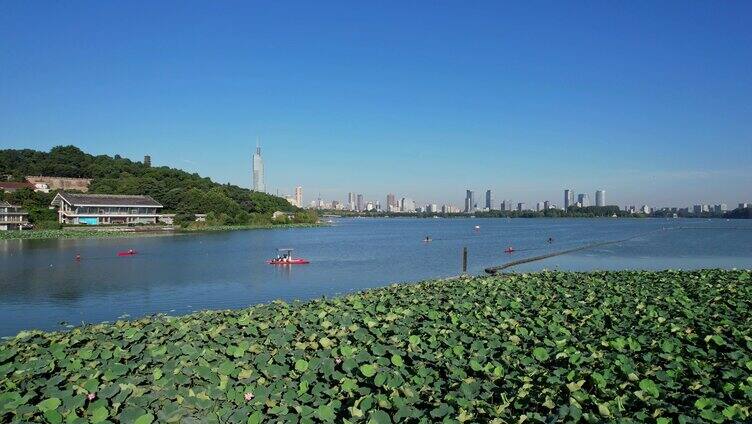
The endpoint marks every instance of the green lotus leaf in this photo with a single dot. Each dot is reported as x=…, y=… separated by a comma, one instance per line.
x=368, y=370
x=301, y=365
x=48, y=404
x=144, y=419
x=379, y=417
x=325, y=413
x=540, y=353
x=649, y=387
x=397, y=360
x=100, y=414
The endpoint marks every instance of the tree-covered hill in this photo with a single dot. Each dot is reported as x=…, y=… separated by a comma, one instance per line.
x=179, y=191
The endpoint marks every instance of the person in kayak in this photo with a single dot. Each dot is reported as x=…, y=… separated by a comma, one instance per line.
x=550, y=240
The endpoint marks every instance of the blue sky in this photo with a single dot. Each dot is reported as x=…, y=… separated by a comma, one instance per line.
x=647, y=100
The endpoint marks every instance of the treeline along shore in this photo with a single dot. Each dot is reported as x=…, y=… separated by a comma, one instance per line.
x=627, y=346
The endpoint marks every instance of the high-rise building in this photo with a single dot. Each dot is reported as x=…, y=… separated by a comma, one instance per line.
x=391, y=200
x=408, y=205
x=583, y=200
x=539, y=206
x=489, y=200
x=600, y=198
x=546, y=205
x=568, y=198
x=258, y=170
x=469, y=201
x=361, y=206
x=147, y=161
x=449, y=209
x=299, y=196
x=506, y=205
x=520, y=207
x=351, y=201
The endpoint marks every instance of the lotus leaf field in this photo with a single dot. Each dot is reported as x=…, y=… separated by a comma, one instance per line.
x=628, y=346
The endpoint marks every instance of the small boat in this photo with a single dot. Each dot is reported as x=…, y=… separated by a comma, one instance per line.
x=284, y=257
x=130, y=252
x=427, y=239
x=477, y=227
x=509, y=249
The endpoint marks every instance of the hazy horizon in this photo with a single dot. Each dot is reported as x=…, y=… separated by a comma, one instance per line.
x=649, y=102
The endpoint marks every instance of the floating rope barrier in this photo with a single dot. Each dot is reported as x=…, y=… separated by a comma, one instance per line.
x=494, y=269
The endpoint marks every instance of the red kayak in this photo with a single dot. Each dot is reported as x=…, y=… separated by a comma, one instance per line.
x=289, y=262
x=509, y=250
x=128, y=253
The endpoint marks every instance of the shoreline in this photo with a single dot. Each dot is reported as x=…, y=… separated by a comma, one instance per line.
x=73, y=234
x=597, y=345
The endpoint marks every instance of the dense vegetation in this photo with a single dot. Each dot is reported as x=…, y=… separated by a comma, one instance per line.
x=656, y=347
x=179, y=191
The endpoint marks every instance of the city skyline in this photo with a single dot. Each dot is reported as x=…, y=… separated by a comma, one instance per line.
x=640, y=111
x=470, y=205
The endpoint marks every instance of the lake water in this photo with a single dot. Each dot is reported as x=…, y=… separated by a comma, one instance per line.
x=41, y=285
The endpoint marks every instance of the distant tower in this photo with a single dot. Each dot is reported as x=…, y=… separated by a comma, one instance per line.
x=299, y=196
x=360, y=203
x=258, y=170
x=583, y=200
x=568, y=199
x=489, y=200
x=351, y=201
x=600, y=198
x=469, y=201
x=147, y=161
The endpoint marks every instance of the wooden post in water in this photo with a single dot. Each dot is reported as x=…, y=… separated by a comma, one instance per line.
x=464, y=260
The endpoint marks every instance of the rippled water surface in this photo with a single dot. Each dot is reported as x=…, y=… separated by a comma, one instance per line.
x=41, y=285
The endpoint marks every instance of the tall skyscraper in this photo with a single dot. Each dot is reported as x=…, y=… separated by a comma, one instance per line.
x=568, y=199
x=489, y=200
x=583, y=200
x=539, y=206
x=299, y=196
x=258, y=170
x=469, y=201
x=351, y=201
x=520, y=207
x=360, y=203
x=600, y=198
x=391, y=201
x=546, y=205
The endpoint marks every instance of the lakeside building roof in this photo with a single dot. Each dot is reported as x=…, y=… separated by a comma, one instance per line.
x=77, y=199
x=12, y=185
